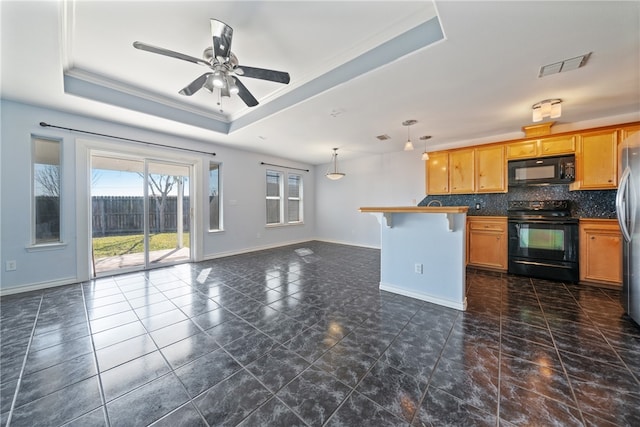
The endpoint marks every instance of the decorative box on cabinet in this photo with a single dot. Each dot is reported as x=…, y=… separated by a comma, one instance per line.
x=487, y=242
x=600, y=251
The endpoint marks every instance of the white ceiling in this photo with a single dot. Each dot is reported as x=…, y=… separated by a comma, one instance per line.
x=358, y=69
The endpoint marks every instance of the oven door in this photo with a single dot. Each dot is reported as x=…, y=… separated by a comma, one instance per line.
x=544, y=240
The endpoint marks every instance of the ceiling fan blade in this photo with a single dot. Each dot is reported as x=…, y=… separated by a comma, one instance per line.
x=245, y=95
x=167, y=52
x=195, y=85
x=261, y=73
x=222, y=35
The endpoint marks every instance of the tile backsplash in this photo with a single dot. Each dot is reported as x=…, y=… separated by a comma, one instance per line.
x=586, y=204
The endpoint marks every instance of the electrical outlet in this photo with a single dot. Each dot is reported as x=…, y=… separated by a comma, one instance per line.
x=418, y=268
x=477, y=206
x=11, y=266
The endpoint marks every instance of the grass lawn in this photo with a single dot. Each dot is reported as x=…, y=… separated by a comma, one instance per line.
x=130, y=244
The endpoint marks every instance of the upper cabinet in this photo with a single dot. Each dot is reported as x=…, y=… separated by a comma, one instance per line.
x=490, y=169
x=547, y=146
x=438, y=173
x=467, y=171
x=597, y=161
x=483, y=169
x=461, y=171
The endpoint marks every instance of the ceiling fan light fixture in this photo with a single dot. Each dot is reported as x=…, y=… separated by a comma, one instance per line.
x=231, y=84
x=217, y=79
x=334, y=175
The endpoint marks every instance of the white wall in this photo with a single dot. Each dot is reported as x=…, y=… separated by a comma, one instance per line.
x=393, y=179
x=243, y=192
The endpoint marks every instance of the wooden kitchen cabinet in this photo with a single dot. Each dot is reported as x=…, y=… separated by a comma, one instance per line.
x=600, y=251
x=597, y=161
x=487, y=242
x=461, y=171
x=548, y=146
x=491, y=169
x=438, y=173
x=628, y=131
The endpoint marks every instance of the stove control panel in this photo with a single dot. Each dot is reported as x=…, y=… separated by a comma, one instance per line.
x=539, y=205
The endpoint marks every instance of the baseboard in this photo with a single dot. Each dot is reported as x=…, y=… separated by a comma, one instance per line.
x=38, y=286
x=340, y=242
x=424, y=297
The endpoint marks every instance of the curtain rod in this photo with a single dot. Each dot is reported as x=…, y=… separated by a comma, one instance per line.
x=286, y=167
x=43, y=124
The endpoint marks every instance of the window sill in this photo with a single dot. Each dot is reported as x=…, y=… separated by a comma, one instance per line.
x=46, y=247
x=288, y=224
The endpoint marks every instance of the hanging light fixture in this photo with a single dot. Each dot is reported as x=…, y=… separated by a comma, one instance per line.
x=425, y=155
x=334, y=175
x=408, y=146
x=551, y=108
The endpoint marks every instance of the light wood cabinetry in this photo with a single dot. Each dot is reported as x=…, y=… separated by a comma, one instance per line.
x=461, y=171
x=487, y=242
x=490, y=169
x=438, y=173
x=597, y=161
x=600, y=251
x=550, y=146
x=628, y=131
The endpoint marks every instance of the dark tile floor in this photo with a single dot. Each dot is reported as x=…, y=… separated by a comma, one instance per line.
x=288, y=338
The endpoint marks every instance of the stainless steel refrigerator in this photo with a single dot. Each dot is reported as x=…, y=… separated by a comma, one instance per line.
x=628, y=210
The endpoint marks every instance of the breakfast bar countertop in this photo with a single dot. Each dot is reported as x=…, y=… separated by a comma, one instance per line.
x=416, y=209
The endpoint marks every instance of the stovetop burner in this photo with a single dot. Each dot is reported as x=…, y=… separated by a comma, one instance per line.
x=539, y=208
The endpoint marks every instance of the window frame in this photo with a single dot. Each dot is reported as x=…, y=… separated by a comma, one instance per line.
x=34, y=243
x=284, y=199
x=219, y=188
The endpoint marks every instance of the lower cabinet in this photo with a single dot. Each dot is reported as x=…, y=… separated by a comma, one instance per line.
x=487, y=242
x=600, y=251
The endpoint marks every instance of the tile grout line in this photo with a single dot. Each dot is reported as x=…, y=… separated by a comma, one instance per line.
x=105, y=413
x=24, y=362
x=555, y=346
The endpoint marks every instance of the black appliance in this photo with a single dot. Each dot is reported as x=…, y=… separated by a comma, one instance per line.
x=543, y=239
x=542, y=171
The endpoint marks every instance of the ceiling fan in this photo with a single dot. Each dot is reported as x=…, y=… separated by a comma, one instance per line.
x=223, y=64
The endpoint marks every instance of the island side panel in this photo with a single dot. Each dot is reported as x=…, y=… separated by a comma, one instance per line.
x=417, y=238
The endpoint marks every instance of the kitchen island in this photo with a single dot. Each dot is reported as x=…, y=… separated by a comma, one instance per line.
x=422, y=252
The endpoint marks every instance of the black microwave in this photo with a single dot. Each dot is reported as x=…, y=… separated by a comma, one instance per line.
x=542, y=171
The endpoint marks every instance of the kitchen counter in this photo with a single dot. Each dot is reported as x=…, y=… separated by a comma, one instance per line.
x=422, y=252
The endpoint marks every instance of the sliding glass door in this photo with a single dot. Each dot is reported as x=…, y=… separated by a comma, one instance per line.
x=140, y=210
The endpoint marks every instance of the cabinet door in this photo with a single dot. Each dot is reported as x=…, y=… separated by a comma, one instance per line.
x=628, y=131
x=491, y=170
x=597, y=161
x=522, y=150
x=487, y=242
x=461, y=170
x=557, y=145
x=600, y=253
x=438, y=173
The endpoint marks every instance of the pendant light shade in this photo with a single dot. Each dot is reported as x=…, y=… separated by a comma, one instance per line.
x=408, y=146
x=425, y=155
x=334, y=174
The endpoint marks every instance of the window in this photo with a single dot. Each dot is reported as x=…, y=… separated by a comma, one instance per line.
x=274, y=198
x=294, y=199
x=214, y=196
x=46, y=190
x=278, y=204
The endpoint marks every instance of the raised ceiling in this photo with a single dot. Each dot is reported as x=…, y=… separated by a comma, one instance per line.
x=466, y=71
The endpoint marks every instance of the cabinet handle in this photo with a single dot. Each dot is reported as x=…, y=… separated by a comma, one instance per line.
x=610, y=180
x=593, y=237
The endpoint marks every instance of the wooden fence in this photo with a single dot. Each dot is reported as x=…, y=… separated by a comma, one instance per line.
x=114, y=215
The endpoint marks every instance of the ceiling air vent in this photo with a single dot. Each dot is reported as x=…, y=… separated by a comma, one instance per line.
x=383, y=137
x=566, y=65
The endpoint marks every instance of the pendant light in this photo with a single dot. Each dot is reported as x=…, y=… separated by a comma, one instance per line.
x=425, y=155
x=408, y=146
x=334, y=175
